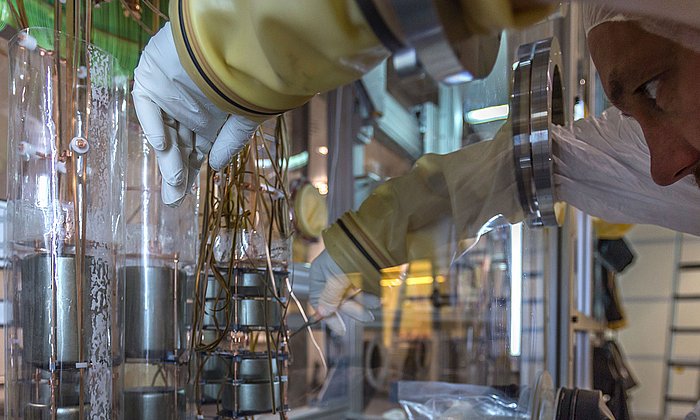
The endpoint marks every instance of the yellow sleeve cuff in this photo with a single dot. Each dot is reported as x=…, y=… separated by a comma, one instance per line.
x=355, y=253
x=262, y=58
x=492, y=16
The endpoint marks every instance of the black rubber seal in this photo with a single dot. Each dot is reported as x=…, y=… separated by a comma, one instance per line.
x=565, y=405
x=380, y=29
x=201, y=71
x=357, y=245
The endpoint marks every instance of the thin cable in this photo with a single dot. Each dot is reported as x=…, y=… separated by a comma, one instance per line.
x=311, y=335
x=155, y=10
x=250, y=201
x=136, y=17
x=333, y=175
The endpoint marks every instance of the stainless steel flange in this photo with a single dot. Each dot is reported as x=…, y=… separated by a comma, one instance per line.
x=537, y=102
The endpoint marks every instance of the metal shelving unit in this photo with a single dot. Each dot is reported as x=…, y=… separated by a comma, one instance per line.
x=675, y=364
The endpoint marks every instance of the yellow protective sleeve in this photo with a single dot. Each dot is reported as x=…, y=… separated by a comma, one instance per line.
x=423, y=214
x=492, y=16
x=262, y=57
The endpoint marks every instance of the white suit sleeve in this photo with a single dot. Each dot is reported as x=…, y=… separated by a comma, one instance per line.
x=603, y=168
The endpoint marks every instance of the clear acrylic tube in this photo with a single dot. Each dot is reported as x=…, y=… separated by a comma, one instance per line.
x=65, y=191
x=160, y=249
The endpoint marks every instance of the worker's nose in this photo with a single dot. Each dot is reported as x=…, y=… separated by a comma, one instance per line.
x=672, y=158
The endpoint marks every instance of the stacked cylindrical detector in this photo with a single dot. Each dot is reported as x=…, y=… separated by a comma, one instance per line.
x=242, y=292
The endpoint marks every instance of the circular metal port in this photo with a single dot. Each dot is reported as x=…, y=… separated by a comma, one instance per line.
x=537, y=102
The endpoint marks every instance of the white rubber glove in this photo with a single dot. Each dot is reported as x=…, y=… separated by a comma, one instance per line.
x=332, y=295
x=603, y=168
x=165, y=96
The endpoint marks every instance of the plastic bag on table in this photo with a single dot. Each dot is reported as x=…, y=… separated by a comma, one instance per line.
x=447, y=401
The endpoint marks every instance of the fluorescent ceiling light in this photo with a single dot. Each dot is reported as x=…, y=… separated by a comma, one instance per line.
x=488, y=114
x=297, y=161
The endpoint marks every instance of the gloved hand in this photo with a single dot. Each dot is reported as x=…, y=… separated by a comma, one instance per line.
x=332, y=295
x=603, y=168
x=166, y=97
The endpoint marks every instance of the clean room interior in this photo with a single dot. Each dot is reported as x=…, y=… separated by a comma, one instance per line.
x=356, y=209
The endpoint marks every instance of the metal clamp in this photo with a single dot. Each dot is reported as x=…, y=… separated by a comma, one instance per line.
x=537, y=102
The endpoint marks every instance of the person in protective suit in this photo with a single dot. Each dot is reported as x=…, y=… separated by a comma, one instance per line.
x=218, y=69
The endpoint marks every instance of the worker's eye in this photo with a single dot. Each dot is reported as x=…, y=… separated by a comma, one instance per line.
x=647, y=94
x=648, y=90
x=650, y=87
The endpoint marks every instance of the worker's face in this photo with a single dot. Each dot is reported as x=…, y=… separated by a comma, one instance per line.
x=657, y=82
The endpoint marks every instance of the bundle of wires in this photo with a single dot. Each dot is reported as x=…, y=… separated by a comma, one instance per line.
x=249, y=199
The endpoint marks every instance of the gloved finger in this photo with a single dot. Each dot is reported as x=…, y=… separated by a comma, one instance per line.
x=368, y=300
x=197, y=156
x=172, y=195
x=327, y=282
x=172, y=167
x=202, y=146
x=150, y=117
x=336, y=324
x=334, y=291
x=185, y=141
x=234, y=135
x=191, y=180
x=355, y=311
x=193, y=166
x=317, y=283
x=324, y=310
x=195, y=163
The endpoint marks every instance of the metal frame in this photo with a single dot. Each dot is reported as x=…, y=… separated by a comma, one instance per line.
x=582, y=323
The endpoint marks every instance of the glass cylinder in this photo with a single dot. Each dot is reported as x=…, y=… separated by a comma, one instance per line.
x=160, y=251
x=65, y=191
x=241, y=298
x=254, y=230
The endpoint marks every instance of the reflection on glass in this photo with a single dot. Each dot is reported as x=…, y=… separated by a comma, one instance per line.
x=160, y=256
x=444, y=335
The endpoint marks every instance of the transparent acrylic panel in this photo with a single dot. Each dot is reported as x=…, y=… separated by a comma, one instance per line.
x=471, y=339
